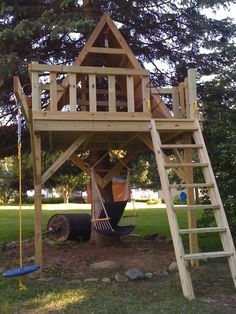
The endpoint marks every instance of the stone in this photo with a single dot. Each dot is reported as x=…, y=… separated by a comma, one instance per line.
x=161, y=273
x=120, y=278
x=105, y=265
x=92, y=279
x=106, y=280
x=75, y=281
x=173, y=268
x=134, y=273
x=148, y=275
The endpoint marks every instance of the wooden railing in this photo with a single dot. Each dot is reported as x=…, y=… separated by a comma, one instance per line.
x=125, y=89
x=184, y=97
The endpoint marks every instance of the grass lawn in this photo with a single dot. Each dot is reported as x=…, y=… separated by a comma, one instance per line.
x=62, y=295
x=150, y=219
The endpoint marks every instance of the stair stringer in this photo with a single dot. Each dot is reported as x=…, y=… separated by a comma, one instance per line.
x=185, y=279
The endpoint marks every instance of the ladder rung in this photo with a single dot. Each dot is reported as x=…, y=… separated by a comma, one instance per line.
x=202, y=230
x=192, y=185
x=166, y=146
x=196, y=206
x=193, y=256
x=185, y=164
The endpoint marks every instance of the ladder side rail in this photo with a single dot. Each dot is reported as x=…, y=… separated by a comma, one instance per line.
x=220, y=216
x=177, y=241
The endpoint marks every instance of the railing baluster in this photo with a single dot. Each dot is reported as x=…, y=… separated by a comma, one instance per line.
x=112, y=93
x=72, y=92
x=145, y=94
x=53, y=91
x=92, y=93
x=130, y=93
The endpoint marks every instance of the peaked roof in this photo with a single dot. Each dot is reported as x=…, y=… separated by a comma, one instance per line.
x=107, y=41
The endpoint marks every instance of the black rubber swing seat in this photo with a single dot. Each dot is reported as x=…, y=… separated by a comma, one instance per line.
x=21, y=271
x=115, y=211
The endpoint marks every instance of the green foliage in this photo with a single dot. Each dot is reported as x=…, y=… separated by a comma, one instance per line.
x=220, y=135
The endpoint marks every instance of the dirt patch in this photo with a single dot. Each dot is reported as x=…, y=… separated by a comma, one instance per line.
x=76, y=258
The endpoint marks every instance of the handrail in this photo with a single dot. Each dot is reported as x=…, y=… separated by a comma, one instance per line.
x=36, y=67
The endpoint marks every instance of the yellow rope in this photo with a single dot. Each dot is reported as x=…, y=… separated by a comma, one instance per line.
x=22, y=287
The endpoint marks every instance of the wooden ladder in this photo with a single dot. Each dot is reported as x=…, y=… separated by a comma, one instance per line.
x=216, y=205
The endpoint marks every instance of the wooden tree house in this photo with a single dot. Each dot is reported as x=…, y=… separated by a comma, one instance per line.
x=104, y=101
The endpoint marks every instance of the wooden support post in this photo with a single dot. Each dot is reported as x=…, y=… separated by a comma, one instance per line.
x=182, y=100
x=92, y=93
x=112, y=93
x=53, y=91
x=192, y=92
x=36, y=96
x=192, y=220
x=146, y=94
x=130, y=93
x=72, y=92
x=186, y=96
x=38, y=201
x=176, y=103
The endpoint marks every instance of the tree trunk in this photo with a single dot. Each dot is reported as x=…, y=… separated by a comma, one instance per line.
x=96, y=238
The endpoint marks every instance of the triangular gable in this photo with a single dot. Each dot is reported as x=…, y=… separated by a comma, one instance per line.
x=118, y=55
x=117, y=45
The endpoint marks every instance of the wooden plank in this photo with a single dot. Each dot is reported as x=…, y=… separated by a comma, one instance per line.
x=146, y=94
x=196, y=206
x=87, y=70
x=192, y=93
x=21, y=97
x=183, y=146
x=112, y=93
x=130, y=93
x=173, y=222
x=36, y=96
x=59, y=162
x=187, y=257
x=115, y=116
x=101, y=91
x=37, y=201
x=72, y=92
x=186, y=96
x=42, y=86
x=182, y=100
x=162, y=91
x=185, y=164
x=112, y=51
x=191, y=185
x=202, y=230
x=53, y=91
x=92, y=93
x=176, y=103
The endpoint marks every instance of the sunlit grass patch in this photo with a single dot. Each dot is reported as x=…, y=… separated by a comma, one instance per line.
x=55, y=301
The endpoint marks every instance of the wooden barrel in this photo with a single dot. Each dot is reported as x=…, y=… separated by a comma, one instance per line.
x=63, y=227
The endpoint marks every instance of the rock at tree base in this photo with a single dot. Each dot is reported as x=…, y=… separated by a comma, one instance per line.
x=105, y=265
x=134, y=273
x=90, y=280
x=173, y=267
x=106, y=280
x=120, y=278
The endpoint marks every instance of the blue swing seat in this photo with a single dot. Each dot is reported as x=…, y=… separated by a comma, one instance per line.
x=21, y=271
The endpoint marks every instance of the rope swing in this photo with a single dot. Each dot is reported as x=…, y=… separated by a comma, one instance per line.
x=22, y=270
